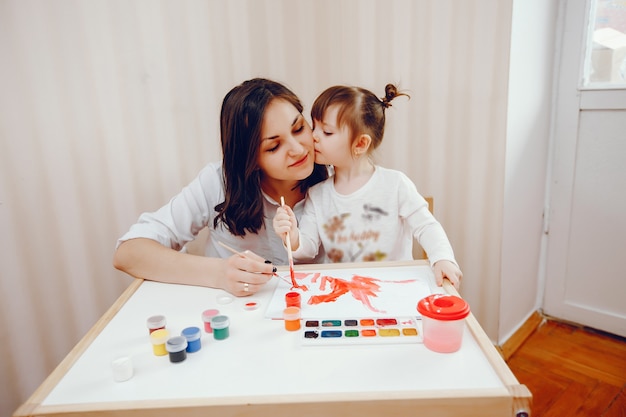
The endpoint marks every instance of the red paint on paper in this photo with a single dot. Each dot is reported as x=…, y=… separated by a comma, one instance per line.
x=361, y=287
x=294, y=283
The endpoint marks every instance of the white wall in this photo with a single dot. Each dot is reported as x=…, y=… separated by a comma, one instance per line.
x=108, y=107
x=533, y=50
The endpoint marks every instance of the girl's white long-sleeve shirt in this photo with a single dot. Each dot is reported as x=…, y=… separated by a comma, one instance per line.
x=375, y=223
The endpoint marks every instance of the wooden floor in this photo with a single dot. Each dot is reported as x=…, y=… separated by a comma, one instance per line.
x=572, y=371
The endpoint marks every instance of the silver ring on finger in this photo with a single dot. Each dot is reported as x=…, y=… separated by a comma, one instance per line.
x=246, y=287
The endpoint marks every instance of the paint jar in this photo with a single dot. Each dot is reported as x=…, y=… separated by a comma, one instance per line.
x=155, y=323
x=192, y=334
x=292, y=318
x=207, y=315
x=443, y=321
x=220, y=327
x=122, y=369
x=177, y=348
x=158, y=339
x=293, y=299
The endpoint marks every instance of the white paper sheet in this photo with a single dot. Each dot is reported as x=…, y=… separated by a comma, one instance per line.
x=359, y=292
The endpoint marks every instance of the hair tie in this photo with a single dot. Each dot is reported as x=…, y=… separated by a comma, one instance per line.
x=391, y=92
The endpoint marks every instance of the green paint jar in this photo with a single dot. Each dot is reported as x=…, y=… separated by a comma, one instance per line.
x=220, y=327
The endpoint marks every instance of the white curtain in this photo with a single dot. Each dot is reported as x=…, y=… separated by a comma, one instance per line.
x=109, y=107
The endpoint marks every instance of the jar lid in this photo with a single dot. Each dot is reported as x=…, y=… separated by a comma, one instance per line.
x=443, y=307
x=219, y=322
x=251, y=306
x=291, y=313
x=156, y=322
x=191, y=333
x=158, y=337
x=207, y=315
x=176, y=344
x=292, y=295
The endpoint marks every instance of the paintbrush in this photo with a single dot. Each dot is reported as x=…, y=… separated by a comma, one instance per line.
x=243, y=255
x=289, y=254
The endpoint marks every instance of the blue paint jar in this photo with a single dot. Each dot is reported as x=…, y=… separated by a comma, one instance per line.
x=192, y=334
x=220, y=327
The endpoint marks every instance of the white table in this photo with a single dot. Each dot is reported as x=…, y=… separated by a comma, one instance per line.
x=263, y=370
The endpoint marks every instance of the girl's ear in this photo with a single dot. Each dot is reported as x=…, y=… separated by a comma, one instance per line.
x=361, y=144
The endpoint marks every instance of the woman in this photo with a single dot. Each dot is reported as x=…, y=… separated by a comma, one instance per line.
x=268, y=153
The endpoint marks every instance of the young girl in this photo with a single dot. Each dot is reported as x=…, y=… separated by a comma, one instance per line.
x=364, y=212
x=268, y=153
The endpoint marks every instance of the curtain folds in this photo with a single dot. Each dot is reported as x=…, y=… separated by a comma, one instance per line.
x=109, y=107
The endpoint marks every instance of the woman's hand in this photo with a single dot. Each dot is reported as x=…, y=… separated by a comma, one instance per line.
x=447, y=269
x=242, y=274
x=245, y=274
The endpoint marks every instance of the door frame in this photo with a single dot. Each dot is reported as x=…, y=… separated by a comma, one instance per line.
x=571, y=98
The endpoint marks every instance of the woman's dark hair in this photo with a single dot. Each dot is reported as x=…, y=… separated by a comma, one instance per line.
x=241, y=120
x=359, y=109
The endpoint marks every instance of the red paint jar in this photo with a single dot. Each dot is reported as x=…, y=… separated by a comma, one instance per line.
x=207, y=315
x=293, y=299
x=155, y=323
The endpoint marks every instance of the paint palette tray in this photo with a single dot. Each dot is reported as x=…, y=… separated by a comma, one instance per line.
x=361, y=331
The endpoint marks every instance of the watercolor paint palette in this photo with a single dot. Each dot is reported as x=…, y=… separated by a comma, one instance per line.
x=361, y=331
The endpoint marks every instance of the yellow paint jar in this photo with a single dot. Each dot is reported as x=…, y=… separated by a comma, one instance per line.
x=158, y=339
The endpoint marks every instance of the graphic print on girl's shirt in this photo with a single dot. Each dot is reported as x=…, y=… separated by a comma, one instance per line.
x=355, y=237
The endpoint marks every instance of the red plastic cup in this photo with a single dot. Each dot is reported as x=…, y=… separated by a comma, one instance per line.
x=443, y=321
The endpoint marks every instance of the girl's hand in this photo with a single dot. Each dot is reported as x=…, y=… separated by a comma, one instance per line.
x=245, y=274
x=447, y=269
x=285, y=222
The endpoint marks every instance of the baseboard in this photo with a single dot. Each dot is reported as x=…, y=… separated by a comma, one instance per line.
x=520, y=336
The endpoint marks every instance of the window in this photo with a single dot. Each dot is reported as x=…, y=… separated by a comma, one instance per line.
x=605, y=58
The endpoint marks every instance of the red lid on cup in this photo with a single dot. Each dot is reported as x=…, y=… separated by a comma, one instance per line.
x=443, y=307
